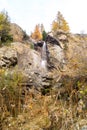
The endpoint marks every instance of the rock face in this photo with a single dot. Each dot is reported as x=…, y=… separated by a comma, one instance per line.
x=8, y=57
x=69, y=60
x=56, y=56
x=52, y=40
x=29, y=62
x=17, y=32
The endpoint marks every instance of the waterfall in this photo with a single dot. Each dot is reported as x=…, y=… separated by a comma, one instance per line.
x=44, y=56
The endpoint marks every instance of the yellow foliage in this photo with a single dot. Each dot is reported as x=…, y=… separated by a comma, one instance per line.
x=54, y=25
x=60, y=23
x=4, y=22
x=65, y=26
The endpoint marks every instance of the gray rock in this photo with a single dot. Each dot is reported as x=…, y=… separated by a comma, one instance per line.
x=2, y=64
x=17, y=33
x=8, y=57
x=63, y=38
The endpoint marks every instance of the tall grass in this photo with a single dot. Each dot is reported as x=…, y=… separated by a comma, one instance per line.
x=10, y=94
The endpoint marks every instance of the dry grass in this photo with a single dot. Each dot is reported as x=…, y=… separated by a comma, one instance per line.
x=49, y=113
x=35, y=111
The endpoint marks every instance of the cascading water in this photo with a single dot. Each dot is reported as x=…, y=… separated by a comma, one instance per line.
x=44, y=56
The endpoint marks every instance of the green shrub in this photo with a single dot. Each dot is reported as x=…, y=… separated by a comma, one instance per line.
x=31, y=45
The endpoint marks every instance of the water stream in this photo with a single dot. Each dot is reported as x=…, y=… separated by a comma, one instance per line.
x=44, y=56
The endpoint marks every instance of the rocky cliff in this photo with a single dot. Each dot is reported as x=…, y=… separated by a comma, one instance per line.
x=66, y=55
x=56, y=68
x=17, y=33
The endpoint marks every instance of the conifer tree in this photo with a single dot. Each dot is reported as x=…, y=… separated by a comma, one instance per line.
x=60, y=23
x=44, y=35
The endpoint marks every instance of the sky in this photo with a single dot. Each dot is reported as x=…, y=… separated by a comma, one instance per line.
x=28, y=13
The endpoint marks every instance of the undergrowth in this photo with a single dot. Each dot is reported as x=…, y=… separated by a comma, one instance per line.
x=34, y=111
x=10, y=94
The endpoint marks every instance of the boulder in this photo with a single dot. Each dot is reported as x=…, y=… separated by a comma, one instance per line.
x=52, y=40
x=63, y=38
x=17, y=33
x=8, y=57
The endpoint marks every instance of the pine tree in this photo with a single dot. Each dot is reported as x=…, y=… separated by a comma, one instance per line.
x=44, y=35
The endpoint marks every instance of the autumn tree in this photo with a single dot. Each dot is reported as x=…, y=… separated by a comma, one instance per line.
x=60, y=23
x=4, y=27
x=54, y=25
x=37, y=35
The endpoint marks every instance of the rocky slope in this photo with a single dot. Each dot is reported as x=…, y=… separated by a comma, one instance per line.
x=17, y=33
x=60, y=75
x=68, y=57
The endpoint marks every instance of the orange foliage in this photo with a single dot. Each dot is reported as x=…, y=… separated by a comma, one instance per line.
x=37, y=35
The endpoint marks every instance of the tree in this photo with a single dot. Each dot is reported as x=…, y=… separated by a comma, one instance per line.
x=42, y=28
x=43, y=32
x=44, y=35
x=37, y=33
x=4, y=27
x=54, y=25
x=60, y=23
